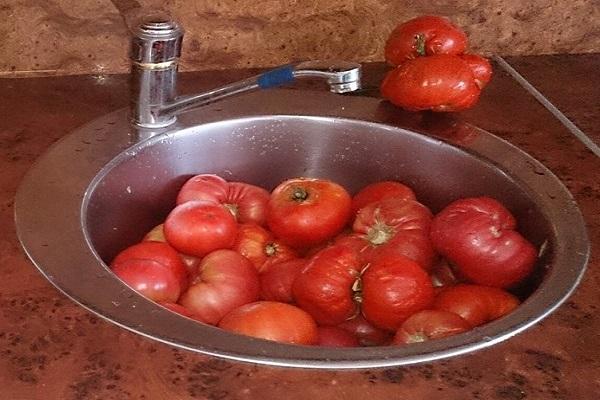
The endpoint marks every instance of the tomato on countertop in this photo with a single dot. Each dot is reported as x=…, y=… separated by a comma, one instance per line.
x=424, y=36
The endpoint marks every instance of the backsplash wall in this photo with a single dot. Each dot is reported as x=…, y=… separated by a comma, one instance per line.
x=91, y=36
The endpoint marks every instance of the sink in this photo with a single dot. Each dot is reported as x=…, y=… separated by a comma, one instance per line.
x=99, y=190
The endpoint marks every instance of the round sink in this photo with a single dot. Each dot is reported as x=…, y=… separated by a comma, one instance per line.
x=95, y=192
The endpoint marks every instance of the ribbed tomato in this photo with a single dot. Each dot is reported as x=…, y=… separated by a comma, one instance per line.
x=246, y=202
x=335, y=286
x=225, y=281
x=324, y=288
x=478, y=235
x=395, y=226
x=440, y=82
x=424, y=36
x=475, y=303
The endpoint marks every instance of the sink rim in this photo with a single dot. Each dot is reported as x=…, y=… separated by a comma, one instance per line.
x=131, y=310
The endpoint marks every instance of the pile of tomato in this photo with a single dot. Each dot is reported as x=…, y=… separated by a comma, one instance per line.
x=308, y=263
x=433, y=70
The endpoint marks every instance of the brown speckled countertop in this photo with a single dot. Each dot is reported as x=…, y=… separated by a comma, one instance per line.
x=51, y=348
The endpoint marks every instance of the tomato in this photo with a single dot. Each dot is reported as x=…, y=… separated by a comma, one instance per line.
x=199, y=227
x=178, y=308
x=480, y=67
x=157, y=234
x=324, y=287
x=476, y=304
x=246, y=202
x=440, y=82
x=304, y=212
x=397, y=226
x=332, y=290
x=380, y=191
x=331, y=336
x=393, y=288
x=270, y=320
x=430, y=324
x=277, y=279
x=162, y=253
x=365, y=332
x=260, y=246
x=150, y=278
x=424, y=36
x=478, y=236
x=225, y=280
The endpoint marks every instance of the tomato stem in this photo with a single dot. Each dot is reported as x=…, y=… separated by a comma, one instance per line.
x=232, y=209
x=420, y=44
x=357, y=291
x=380, y=234
x=270, y=249
x=299, y=194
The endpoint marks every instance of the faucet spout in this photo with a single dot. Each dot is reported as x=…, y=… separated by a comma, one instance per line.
x=156, y=46
x=342, y=77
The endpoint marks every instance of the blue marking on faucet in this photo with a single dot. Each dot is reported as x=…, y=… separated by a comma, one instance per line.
x=276, y=77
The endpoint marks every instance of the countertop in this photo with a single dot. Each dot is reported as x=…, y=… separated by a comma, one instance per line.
x=50, y=348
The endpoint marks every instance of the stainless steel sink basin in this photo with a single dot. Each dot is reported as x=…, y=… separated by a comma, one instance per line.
x=97, y=191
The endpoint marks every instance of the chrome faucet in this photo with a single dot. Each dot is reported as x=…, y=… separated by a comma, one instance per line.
x=155, y=51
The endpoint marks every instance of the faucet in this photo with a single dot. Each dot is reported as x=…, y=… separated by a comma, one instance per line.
x=155, y=52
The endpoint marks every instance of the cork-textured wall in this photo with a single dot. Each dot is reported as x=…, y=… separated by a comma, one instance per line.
x=91, y=36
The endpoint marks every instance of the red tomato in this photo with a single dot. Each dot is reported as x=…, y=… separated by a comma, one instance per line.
x=305, y=212
x=150, y=278
x=157, y=234
x=178, y=308
x=246, y=202
x=225, y=280
x=324, y=287
x=396, y=226
x=331, y=289
x=277, y=279
x=476, y=304
x=332, y=336
x=481, y=68
x=380, y=191
x=430, y=324
x=260, y=246
x=478, y=236
x=270, y=320
x=440, y=82
x=424, y=36
x=365, y=332
x=199, y=227
x=162, y=253
x=393, y=288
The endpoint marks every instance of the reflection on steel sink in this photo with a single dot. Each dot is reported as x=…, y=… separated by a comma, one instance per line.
x=97, y=191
